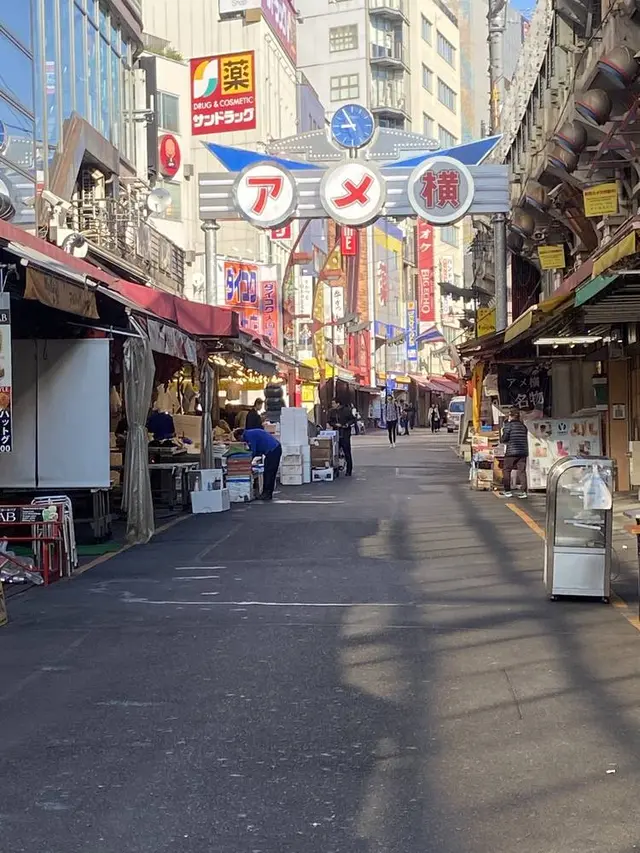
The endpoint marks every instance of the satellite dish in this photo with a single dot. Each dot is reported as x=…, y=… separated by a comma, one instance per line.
x=159, y=201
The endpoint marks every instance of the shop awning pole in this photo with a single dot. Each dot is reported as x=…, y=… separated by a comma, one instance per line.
x=211, y=229
x=206, y=427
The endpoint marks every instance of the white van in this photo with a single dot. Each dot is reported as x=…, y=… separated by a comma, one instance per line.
x=455, y=413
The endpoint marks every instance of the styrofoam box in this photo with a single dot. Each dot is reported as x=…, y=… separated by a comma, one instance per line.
x=218, y=501
x=291, y=479
x=306, y=472
x=322, y=475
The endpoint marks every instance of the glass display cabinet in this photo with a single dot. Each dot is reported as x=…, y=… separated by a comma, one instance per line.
x=578, y=547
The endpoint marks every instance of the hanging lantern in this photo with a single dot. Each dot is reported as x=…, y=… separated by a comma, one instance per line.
x=522, y=223
x=560, y=158
x=594, y=105
x=619, y=66
x=536, y=196
x=572, y=136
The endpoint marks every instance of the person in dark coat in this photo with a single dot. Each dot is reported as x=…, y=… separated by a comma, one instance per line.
x=515, y=437
x=254, y=418
x=341, y=418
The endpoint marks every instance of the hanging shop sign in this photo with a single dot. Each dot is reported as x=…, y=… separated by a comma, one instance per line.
x=270, y=306
x=228, y=7
x=551, y=257
x=446, y=269
x=426, y=284
x=337, y=313
x=304, y=296
x=6, y=389
x=524, y=387
x=241, y=294
x=441, y=190
x=486, y=321
x=265, y=194
x=60, y=294
x=283, y=233
x=281, y=17
x=348, y=241
x=170, y=156
x=412, y=331
x=223, y=93
x=601, y=200
x=353, y=193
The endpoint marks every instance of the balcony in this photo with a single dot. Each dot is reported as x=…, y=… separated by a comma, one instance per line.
x=394, y=55
x=389, y=99
x=394, y=10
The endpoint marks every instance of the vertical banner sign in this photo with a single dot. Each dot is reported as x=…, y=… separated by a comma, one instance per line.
x=281, y=16
x=426, y=284
x=348, y=241
x=270, y=307
x=223, y=93
x=412, y=331
x=6, y=435
x=241, y=294
x=337, y=313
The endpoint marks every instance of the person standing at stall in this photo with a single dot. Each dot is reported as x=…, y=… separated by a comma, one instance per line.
x=254, y=418
x=515, y=437
x=262, y=443
x=391, y=417
x=342, y=419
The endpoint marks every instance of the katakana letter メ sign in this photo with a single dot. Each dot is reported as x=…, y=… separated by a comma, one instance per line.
x=353, y=193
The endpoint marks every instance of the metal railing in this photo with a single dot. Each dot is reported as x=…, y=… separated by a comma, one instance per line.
x=400, y=6
x=120, y=228
x=394, y=52
x=390, y=96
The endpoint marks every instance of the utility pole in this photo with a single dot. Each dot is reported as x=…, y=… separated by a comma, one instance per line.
x=497, y=25
x=210, y=261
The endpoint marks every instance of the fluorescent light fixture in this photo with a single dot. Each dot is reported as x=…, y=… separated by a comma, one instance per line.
x=570, y=342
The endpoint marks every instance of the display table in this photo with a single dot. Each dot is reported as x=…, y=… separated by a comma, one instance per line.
x=169, y=486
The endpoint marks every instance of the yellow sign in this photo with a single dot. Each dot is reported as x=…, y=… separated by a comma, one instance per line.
x=551, y=257
x=61, y=294
x=601, y=200
x=236, y=74
x=318, y=335
x=623, y=249
x=486, y=322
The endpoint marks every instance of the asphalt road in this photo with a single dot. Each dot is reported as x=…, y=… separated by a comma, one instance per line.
x=368, y=665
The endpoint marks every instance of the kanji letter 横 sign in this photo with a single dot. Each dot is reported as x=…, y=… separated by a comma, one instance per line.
x=441, y=190
x=265, y=194
x=223, y=91
x=426, y=283
x=353, y=193
x=348, y=242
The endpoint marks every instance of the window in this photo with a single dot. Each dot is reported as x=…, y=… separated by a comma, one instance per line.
x=16, y=78
x=427, y=125
x=427, y=29
x=16, y=17
x=447, y=139
x=345, y=87
x=343, y=38
x=446, y=95
x=168, y=112
x=427, y=78
x=174, y=211
x=450, y=234
x=80, y=71
x=446, y=50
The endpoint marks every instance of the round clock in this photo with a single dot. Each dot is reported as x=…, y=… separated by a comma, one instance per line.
x=352, y=126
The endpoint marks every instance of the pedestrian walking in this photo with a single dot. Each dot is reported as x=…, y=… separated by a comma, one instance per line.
x=406, y=419
x=391, y=416
x=515, y=437
x=262, y=443
x=433, y=419
x=342, y=419
x=412, y=415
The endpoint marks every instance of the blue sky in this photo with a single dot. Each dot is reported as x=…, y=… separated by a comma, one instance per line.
x=523, y=5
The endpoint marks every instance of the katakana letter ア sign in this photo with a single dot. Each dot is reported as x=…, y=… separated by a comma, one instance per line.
x=265, y=194
x=353, y=193
x=441, y=190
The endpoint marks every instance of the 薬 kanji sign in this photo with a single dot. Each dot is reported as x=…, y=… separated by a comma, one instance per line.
x=223, y=92
x=441, y=190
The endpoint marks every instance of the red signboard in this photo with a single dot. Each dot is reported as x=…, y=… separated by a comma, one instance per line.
x=223, y=93
x=281, y=233
x=270, y=312
x=348, y=241
x=426, y=282
x=170, y=156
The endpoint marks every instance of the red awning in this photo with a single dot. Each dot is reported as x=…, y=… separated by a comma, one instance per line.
x=445, y=386
x=194, y=318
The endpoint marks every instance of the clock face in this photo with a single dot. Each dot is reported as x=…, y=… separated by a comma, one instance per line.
x=352, y=126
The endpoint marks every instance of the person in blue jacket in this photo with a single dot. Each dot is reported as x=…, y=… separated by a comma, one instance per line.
x=262, y=443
